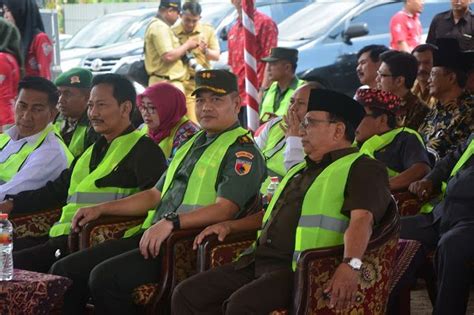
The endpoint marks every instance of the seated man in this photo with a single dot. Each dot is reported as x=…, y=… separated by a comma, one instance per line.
x=281, y=67
x=211, y=179
x=449, y=228
x=72, y=122
x=261, y=280
x=30, y=152
x=401, y=149
x=451, y=120
x=279, y=139
x=122, y=162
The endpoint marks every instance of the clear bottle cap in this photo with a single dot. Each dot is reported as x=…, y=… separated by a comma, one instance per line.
x=274, y=179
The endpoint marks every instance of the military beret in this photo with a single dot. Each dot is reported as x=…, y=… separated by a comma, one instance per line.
x=218, y=81
x=338, y=104
x=374, y=98
x=76, y=77
x=282, y=53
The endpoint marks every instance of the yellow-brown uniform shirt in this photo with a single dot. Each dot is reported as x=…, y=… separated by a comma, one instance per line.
x=206, y=33
x=160, y=39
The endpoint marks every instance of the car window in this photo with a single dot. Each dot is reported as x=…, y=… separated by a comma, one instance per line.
x=378, y=18
x=314, y=20
x=140, y=33
x=283, y=10
x=100, y=32
x=430, y=10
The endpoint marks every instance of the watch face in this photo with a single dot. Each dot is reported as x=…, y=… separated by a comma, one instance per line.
x=355, y=263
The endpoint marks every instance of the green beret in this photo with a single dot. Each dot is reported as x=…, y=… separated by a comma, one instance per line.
x=76, y=77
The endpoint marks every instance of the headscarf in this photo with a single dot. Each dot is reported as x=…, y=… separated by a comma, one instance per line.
x=27, y=19
x=10, y=40
x=170, y=104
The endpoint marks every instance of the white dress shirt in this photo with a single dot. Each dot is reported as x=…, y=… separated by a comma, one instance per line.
x=293, y=154
x=42, y=165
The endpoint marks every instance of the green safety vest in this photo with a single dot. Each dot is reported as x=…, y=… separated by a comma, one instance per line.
x=321, y=223
x=166, y=144
x=429, y=206
x=201, y=187
x=378, y=142
x=14, y=162
x=269, y=100
x=274, y=153
x=78, y=141
x=82, y=190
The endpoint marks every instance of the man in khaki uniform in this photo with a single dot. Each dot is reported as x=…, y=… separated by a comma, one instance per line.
x=207, y=49
x=163, y=52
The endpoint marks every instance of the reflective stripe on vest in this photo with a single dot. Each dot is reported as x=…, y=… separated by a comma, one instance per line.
x=82, y=189
x=201, y=186
x=11, y=166
x=269, y=100
x=166, y=144
x=321, y=223
x=429, y=206
x=378, y=142
x=274, y=153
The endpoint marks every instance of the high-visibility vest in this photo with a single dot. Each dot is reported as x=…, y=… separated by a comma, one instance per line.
x=15, y=161
x=78, y=141
x=269, y=100
x=274, y=153
x=166, y=144
x=82, y=190
x=321, y=223
x=429, y=206
x=201, y=187
x=378, y=142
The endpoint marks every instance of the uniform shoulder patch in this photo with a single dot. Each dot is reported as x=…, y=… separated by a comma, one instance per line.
x=244, y=154
x=242, y=167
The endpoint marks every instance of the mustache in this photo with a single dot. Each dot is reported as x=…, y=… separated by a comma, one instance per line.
x=422, y=72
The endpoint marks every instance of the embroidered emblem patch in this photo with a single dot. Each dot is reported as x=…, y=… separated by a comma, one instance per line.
x=242, y=167
x=244, y=154
x=75, y=79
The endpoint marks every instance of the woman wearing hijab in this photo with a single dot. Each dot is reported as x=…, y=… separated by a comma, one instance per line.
x=36, y=47
x=10, y=65
x=163, y=108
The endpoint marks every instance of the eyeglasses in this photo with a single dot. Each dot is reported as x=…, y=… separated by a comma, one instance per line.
x=147, y=109
x=309, y=122
x=385, y=75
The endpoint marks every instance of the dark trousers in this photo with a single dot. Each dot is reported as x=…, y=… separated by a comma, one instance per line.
x=453, y=260
x=108, y=272
x=230, y=291
x=39, y=257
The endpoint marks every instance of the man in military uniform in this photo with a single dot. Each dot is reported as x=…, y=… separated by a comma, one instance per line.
x=72, y=123
x=451, y=120
x=281, y=67
x=401, y=149
x=121, y=162
x=200, y=57
x=449, y=227
x=261, y=280
x=211, y=179
x=163, y=53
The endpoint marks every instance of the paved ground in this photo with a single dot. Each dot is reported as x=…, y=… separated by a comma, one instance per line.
x=421, y=305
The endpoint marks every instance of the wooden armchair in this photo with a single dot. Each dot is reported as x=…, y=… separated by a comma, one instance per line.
x=315, y=268
x=35, y=224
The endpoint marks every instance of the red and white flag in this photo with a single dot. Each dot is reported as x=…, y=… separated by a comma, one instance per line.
x=251, y=79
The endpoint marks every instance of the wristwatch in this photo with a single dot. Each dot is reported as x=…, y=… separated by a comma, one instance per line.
x=354, y=263
x=174, y=218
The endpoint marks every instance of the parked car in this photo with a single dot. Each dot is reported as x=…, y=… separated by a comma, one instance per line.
x=118, y=58
x=109, y=29
x=328, y=36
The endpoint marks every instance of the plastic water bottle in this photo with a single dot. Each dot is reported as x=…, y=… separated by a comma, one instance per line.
x=6, y=248
x=272, y=187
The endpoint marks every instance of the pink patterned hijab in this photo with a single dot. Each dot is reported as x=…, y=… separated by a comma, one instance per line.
x=170, y=104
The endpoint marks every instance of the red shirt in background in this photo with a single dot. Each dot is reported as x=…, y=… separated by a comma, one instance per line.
x=405, y=27
x=9, y=78
x=40, y=57
x=267, y=37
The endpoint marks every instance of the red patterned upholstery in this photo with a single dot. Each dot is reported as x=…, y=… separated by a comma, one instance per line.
x=315, y=267
x=35, y=224
x=408, y=203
